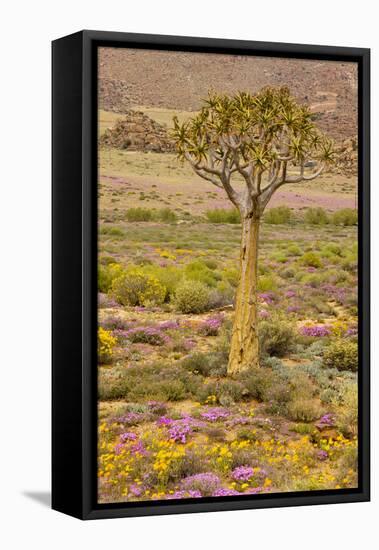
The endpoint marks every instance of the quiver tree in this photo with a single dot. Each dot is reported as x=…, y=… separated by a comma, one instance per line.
x=249, y=146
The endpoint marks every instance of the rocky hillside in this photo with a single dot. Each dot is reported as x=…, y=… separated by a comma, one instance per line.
x=179, y=80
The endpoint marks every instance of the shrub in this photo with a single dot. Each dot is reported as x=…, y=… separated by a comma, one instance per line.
x=168, y=277
x=303, y=429
x=222, y=215
x=311, y=259
x=107, y=274
x=224, y=391
x=191, y=297
x=294, y=250
x=216, y=433
x=345, y=216
x=341, y=354
x=348, y=419
x=257, y=382
x=204, y=483
x=231, y=275
x=278, y=215
x=222, y=295
x=277, y=336
x=316, y=216
x=198, y=363
x=145, y=335
x=166, y=215
x=139, y=214
x=206, y=364
x=304, y=410
x=211, y=326
x=266, y=283
x=158, y=382
x=198, y=271
x=135, y=288
x=212, y=264
x=113, y=322
x=105, y=345
x=332, y=249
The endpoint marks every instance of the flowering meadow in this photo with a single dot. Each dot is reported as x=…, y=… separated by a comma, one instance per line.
x=172, y=424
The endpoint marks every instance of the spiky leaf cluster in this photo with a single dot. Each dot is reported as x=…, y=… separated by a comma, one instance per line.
x=268, y=138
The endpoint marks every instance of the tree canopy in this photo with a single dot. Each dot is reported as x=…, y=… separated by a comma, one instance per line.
x=268, y=138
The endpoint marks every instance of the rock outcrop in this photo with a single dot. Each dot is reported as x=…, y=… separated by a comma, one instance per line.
x=137, y=132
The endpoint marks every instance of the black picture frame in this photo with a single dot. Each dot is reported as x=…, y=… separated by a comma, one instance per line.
x=74, y=271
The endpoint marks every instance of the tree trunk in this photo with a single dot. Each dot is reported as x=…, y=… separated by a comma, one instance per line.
x=244, y=348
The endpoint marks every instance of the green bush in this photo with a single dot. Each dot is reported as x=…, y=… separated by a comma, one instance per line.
x=341, y=354
x=316, y=216
x=231, y=274
x=225, y=391
x=348, y=418
x=294, y=250
x=223, y=215
x=345, y=216
x=136, y=288
x=198, y=363
x=139, y=214
x=168, y=276
x=333, y=249
x=207, y=364
x=278, y=215
x=277, y=336
x=158, y=382
x=315, y=280
x=266, y=283
x=191, y=297
x=198, y=271
x=165, y=215
x=211, y=263
x=311, y=259
x=222, y=295
x=111, y=230
x=107, y=274
x=257, y=383
x=304, y=410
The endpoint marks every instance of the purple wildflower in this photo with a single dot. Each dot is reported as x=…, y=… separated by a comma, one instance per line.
x=128, y=436
x=238, y=420
x=317, y=331
x=132, y=418
x=322, y=455
x=157, y=407
x=169, y=325
x=145, y=335
x=266, y=297
x=136, y=490
x=179, y=432
x=164, y=421
x=326, y=421
x=211, y=326
x=215, y=413
x=180, y=429
x=206, y=483
x=138, y=449
x=185, y=494
x=118, y=448
x=221, y=492
x=242, y=473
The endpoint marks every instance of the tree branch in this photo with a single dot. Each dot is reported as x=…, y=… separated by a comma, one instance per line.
x=284, y=179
